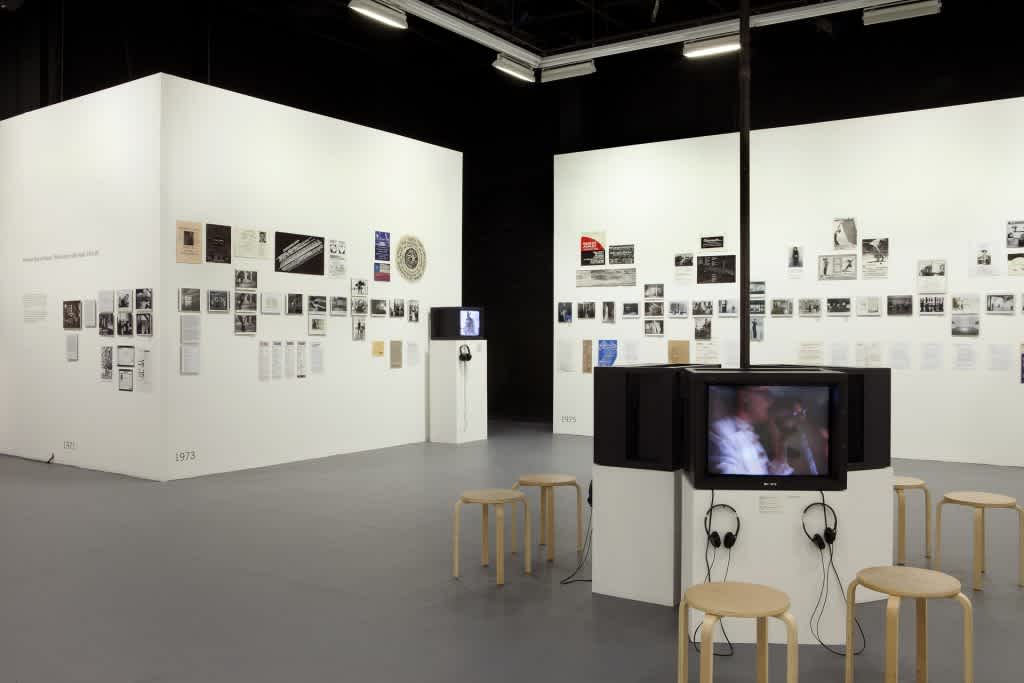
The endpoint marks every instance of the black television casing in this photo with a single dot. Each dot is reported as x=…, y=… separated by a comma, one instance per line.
x=698, y=381
x=445, y=323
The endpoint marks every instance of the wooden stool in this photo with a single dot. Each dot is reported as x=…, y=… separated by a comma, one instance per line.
x=980, y=502
x=899, y=485
x=908, y=582
x=499, y=498
x=547, y=484
x=733, y=599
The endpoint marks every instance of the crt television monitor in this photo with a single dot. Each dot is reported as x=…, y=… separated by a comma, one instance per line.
x=457, y=322
x=768, y=429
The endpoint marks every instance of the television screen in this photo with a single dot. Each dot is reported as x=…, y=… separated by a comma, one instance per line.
x=775, y=431
x=469, y=323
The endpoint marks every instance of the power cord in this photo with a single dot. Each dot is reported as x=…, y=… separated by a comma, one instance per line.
x=587, y=547
x=710, y=565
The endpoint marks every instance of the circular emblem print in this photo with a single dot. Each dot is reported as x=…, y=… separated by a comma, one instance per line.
x=412, y=258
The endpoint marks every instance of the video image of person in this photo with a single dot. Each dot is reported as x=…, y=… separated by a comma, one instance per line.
x=470, y=323
x=768, y=430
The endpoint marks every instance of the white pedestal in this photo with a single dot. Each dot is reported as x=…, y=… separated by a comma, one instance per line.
x=458, y=392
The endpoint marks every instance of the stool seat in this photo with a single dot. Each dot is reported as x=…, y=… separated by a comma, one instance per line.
x=492, y=496
x=909, y=582
x=907, y=483
x=737, y=599
x=547, y=483
x=547, y=480
x=980, y=499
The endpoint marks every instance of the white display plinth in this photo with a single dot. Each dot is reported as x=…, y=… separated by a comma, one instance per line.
x=458, y=392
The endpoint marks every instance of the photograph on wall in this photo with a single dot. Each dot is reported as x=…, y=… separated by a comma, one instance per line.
x=124, y=299
x=842, y=267
x=72, y=315
x=621, y=254
x=757, y=328
x=252, y=243
x=712, y=242
x=702, y=328
x=245, y=323
x=607, y=352
x=360, y=287
x=844, y=234
x=592, y=252
x=966, y=324
x=125, y=356
x=586, y=310
x=144, y=299
x=294, y=302
x=295, y=253
x=381, y=246
x=931, y=305
x=607, y=277
x=218, y=301
x=565, y=311
x=931, y=276
x=654, y=309
x=125, y=378
x=1015, y=235
x=983, y=259
x=245, y=302
x=587, y=356
x=377, y=348
x=105, y=301
x=837, y=306
x=758, y=289
x=716, y=269
x=654, y=328
x=125, y=324
x=728, y=308
x=337, y=259
x=246, y=279
x=360, y=305
x=414, y=310
x=218, y=243
x=188, y=243
x=378, y=307
x=678, y=309
x=395, y=354
x=702, y=307
x=655, y=291
x=683, y=266
x=678, y=351
x=608, y=311
x=397, y=308
x=144, y=324
x=411, y=258
x=106, y=363
x=794, y=261
x=757, y=306
x=1015, y=264
x=874, y=258
x=1001, y=304
x=382, y=272
x=339, y=305
x=317, y=324
x=809, y=308
x=318, y=303
x=869, y=306
x=965, y=303
x=271, y=303
x=358, y=328
x=782, y=308
x=899, y=304
x=189, y=328
x=106, y=324
x=631, y=309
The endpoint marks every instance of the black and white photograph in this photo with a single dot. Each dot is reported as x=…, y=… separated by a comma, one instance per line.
x=125, y=379
x=295, y=304
x=72, y=315
x=809, y=308
x=606, y=277
x=702, y=328
x=565, y=311
x=702, y=307
x=586, y=310
x=358, y=328
x=360, y=287
x=218, y=243
x=757, y=328
x=654, y=328
x=982, y=258
x=189, y=300
x=678, y=309
x=144, y=324
x=931, y=305
x=144, y=299
x=794, y=257
x=837, y=306
x=654, y=309
x=869, y=306
x=782, y=308
x=107, y=363
x=317, y=324
x=1015, y=235
x=683, y=260
x=302, y=254
x=713, y=270
x=126, y=356
x=218, y=301
x=318, y=303
x=621, y=254
x=106, y=324
x=360, y=305
x=124, y=299
x=125, y=324
x=246, y=279
x=900, y=304
x=931, y=276
x=712, y=242
x=965, y=303
x=245, y=323
x=339, y=305
x=874, y=258
x=414, y=310
x=1001, y=304
x=378, y=308
x=758, y=289
x=757, y=306
x=655, y=291
x=841, y=267
x=844, y=234
x=728, y=308
x=397, y=308
x=965, y=325
x=631, y=309
x=245, y=302
x=608, y=311
x=271, y=303
x=1015, y=264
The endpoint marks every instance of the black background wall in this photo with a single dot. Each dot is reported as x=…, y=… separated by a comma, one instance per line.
x=430, y=85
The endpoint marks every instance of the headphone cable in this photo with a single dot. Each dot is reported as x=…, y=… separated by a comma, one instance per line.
x=707, y=579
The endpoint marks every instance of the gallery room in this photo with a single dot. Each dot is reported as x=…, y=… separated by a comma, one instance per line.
x=503, y=340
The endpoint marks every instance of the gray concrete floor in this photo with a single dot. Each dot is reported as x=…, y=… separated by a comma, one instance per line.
x=339, y=570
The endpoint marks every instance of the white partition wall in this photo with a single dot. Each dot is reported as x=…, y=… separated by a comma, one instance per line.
x=933, y=182
x=112, y=173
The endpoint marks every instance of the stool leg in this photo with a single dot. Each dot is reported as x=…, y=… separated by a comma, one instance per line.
x=455, y=538
x=527, y=550
x=543, y=516
x=851, y=609
x=499, y=541
x=927, y=523
x=683, y=646
x=551, y=523
x=579, y=517
x=707, y=648
x=937, y=560
x=968, y=637
x=512, y=534
x=792, y=649
x=901, y=527
x=485, y=530
x=762, y=650
x=922, y=640
x=1020, y=547
x=979, y=546
x=892, y=640
x=983, y=540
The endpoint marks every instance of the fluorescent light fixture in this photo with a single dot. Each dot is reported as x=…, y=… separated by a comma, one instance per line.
x=558, y=73
x=708, y=47
x=902, y=10
x=513, y=68
x=381, y=11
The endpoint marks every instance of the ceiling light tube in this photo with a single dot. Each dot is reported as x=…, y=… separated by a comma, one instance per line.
x=515, y=69
x=712, y=46
x=380, y=11
x=903, y=10
x=558, y=73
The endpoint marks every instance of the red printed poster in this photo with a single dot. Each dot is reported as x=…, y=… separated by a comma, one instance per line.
x=592, y=250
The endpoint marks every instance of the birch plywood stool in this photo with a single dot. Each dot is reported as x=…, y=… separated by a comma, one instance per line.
x=980, y=502
x=900, y=485
x=733, y=599
x=908, y=582
x=499, y=498
x=547, y=484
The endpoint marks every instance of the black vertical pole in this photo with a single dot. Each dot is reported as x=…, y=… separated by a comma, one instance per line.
x=744, y=184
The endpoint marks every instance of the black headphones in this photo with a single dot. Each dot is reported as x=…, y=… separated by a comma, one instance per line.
x=829, y=535
x=730, y=538
x=464, y=354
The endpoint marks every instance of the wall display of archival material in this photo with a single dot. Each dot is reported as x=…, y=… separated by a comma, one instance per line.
x=317, y=324
x=382, y=272
x=839, y=267
x=712, y=242
x=245, y=323
x=782, y=308
x=358, y=328
x=608, y=312
x=844, y=234
x=757, y=328
x=654, y=328
x=931, y=276
x=837, y=306
x=716, y=269
x=631, y=309
x=294, y=303
x=395, y=354
x=899, y=304
x=144, y=324
x=125, y=356
x=874, y=258
x=654, y=309
x=188, y=242
x=106, y=363
x=339, y=305
x=106, y=324
x=678, y=351
x=966, y=318
x=794, y=261
x=414, y=310
x=294, y=253
x=71, y=347
x=124, y=299
x=728, y=308
x=931, y=304
x=869, y=306
x=564, y=314
x=592, y=248
x=72, y=315
x=246, y=279
x=377, y=348
x=105, y=300
x=654, y=291
x=1015, y=235
x=1015, y=264
x=702, y=307
x=218, y=243
x=587, y=365
x=360, y=287
x=317, y=303
x=607, y=352
x=252, y=243
x=758, y=307
x=397, y=308
x=381, y=245
x=125, y=324
x=337, y=259
x=411, y=258
x=218, y=301
x=621, y=254
x=271, y=303
x=1001, y=304
x=378, y=308
x=144, y=299
x=245, y=302
x=683, y=267
x=809, y=308
x=606, y=277
x=983, y=258
x=678, y=309
x=702, y=328
x=125, y=379
x=360, y=305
